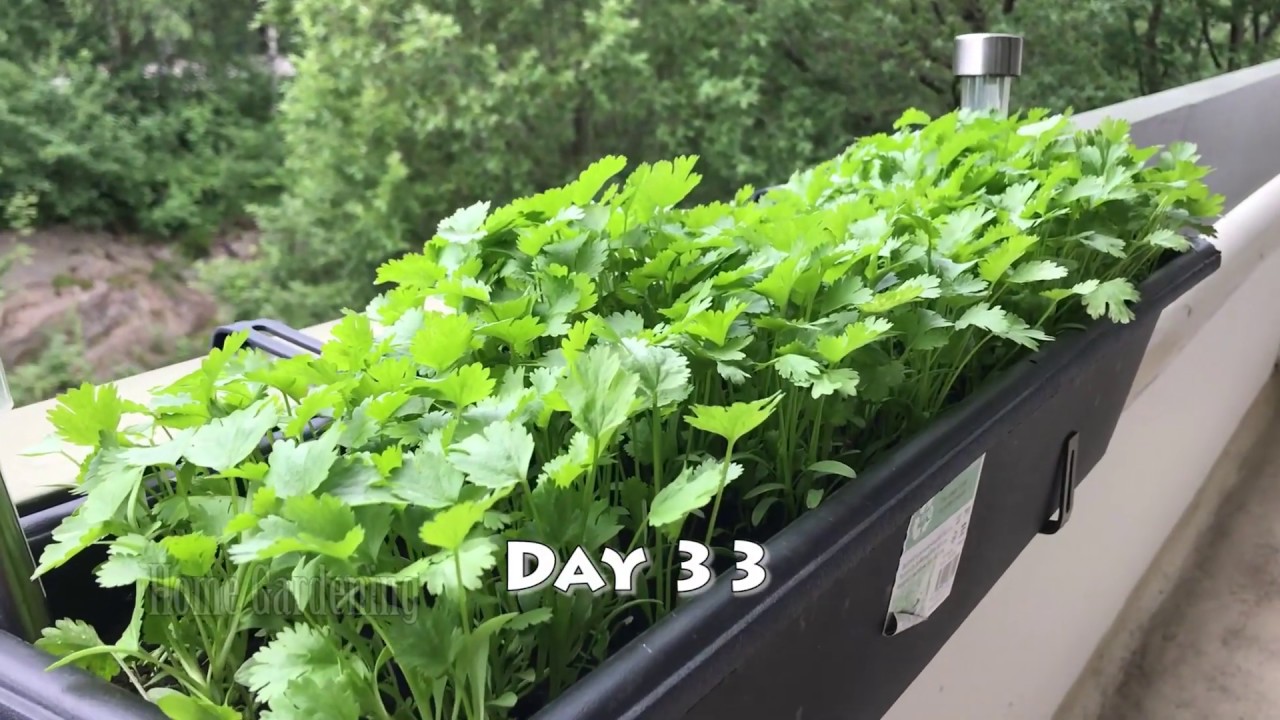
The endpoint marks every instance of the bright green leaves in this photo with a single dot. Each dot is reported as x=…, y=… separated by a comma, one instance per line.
x=836, y=348
x=662, y=373
x=133, y=558
x=997, y=261
x=314, y=525
x=177, y=706
x=462, y=563
x=660, y=186
x=1037, y=271
x=714, y=325
x=734, y=421
x=225, y=442
x=449, y=529
x=443, y=340
x=599, y=392
x=690, y=491
x=1111, y=298
x=300, y=468
x=496, y=458
x=465, y=225
x=426, y=478
x=798, y=369
x=82, y=414
x=70, y=636
x=306, y=668
x=1001, y=323
x=643, y=361
x=917, y=288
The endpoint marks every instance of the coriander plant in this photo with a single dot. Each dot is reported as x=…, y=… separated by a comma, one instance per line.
x=596, y=367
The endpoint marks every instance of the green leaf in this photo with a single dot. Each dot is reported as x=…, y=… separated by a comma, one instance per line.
x=449, y=528
x=1037, y=271
x=519, y=332
x=133, y=558
x=842, y=380
x=997, y=262
x=69, y=636
x=168, y=453
x=797, y=369
x=662, y=373
x=568, y=466
x=226, y=442
x=832, y=467
x=600, y=392
x=714, y=325
x=496, y=458
x=465, y=225
x=860, y=334
x=83, y=413
x=427, y=479
x=1168, y=240
x=177, y=706
x=1112, y=246
x=300, y=468
x=690, y=491
x=1111, y=298
x=463, y=386
x=300, y=653
x=194, y=553
x=476, y=557
x=316, y=525
x=911, y=117
x=443, y=340
x=736, y=420
x=910, y=290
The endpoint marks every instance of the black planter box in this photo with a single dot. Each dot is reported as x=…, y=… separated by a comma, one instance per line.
x=815, y=643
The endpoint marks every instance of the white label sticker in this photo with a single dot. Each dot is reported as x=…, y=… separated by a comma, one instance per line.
x=931, y=552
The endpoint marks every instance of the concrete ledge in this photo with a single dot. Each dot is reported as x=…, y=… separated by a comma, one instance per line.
x=1106, y=670
x=25, y=427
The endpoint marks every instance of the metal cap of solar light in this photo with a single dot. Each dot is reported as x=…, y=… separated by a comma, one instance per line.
x=986, y=64
x=23, y=611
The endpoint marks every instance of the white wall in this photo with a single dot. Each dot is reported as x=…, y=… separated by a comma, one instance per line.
x=1017, y=656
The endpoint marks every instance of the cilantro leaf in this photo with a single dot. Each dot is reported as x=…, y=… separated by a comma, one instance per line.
x=733, y=421
x=443, y=340
x=1111, y=298
x=300, y=651
x=600, y=392
x=225, y=442
x=662, y=373
x=496, y=458
x=82, y=414
x=177, y=706
x=299, y=468
x=69, y=636
x=690, y=491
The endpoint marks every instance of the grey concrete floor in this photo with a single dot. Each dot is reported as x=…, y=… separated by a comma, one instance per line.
x=1213, y=650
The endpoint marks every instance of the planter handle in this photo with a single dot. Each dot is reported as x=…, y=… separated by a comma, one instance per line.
x=1066, y=489
x=270, y=336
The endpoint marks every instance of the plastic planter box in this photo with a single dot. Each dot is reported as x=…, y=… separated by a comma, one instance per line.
x=818, y=641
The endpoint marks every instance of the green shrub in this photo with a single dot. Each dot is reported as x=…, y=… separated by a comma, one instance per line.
x=593, y=366
x=98, y=151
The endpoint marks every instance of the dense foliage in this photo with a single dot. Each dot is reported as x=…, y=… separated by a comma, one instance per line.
x=159, y=118
x=602, y=365
x=150, y=117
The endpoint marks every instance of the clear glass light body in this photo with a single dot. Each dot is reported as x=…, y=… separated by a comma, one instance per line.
x=986, y=93
x=23, y=611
